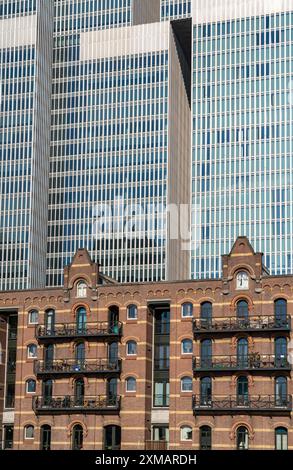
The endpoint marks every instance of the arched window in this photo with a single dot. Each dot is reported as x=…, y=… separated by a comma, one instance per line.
x=280, y=312
x=32, y=351
x=47, y=390
x=77, y=437
x=186, y=310
x=186, y=433
x=81, y=320
x=281, y=390
x=131, y=384
x=113, y=352
x=242, y=390
x=205, y=391
x=186, y=346
x=49, y=355
x=112, y=437
x=242, y=438
x=79, y=392
x=281, y=438
x=205, y=438
x=80, y=353
x=113, y=318
x=281, y=359
x=132, y=312
x=112, y=384
x=29, y=432
x=242, y=310
x=50, y=321
x=206, y=314
x=45, y=441
x=131, y=348
x=30, y=386
x=242, y=280
x=33, y=317
x=242, y=352
x=206, y=358
x=81, y=289
x=186, y=384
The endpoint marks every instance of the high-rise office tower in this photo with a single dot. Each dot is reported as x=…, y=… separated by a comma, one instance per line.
x=120, y=130
x=175, y=9
x=116, y=83
x=242, y=182
x=25, y=90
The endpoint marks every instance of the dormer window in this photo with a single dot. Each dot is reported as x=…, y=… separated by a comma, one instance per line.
x=242, y=280
x=81, y=289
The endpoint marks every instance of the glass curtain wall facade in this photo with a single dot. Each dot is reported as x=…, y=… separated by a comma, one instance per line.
x=108, y=139
x=242, y=182
x=25, y=70
x=175, y=9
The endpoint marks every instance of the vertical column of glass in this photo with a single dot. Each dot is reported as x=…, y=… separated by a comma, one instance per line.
x=161, y=362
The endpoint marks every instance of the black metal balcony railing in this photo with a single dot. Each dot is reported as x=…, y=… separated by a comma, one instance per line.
x=241, y=404
x=254, y=323
x=252, y=362
x=67, y=404
x=72, y=366
x=68, y=331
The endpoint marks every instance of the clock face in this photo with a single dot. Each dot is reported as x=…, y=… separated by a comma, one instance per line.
x=242, y=280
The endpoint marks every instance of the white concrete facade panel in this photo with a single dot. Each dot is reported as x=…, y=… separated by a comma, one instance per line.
x=16, y=32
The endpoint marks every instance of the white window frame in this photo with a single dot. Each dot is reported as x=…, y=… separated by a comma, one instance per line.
x=182, y=310
x=28, y=351
x=29, y=317
x=127, y=382
x=26, y=429
x=26, y=386
x=181, y=384
x=127, y=344
x=132, y=318
x=182, y=346
x=182, y=430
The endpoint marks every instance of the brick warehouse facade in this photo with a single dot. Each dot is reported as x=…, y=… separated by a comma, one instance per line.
x=178, y=365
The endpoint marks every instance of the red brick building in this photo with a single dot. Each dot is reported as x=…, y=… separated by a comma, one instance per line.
x=184, y=365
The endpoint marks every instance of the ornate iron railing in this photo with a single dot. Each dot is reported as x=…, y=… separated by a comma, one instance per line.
x=241, y=403
x=73, y=366
x=63, y=404
x=255, y=323
x=252, y=362
x=72, y=330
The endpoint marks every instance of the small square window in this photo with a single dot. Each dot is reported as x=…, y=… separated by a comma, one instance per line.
x=33, y=317
x=132, y=312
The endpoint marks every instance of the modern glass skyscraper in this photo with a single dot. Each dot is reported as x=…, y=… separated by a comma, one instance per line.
x=25, y=89
x=242, y=181
x=113, y=92
x=175, y=9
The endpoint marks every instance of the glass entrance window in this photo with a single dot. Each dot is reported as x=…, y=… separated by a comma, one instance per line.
x=206, y=313
x=113, y=352
x=8, y=437
x=47, y=390
x=49, y=355
x=161, y=394
x=281, y=352
x=242, y=391
x=242, y=310
x=206, y=391
x=77, y=437
x=242, y=438
x=112, y=437
x=161, y=433
x=281, y=391
x=79, y=392
x=205, y=438
x=50, y=321
x=81, y=320
x=281, y=438
x=206, y=353
x=80, y=354
x=242, y=352
x=280, y=311
x=45, y=442
x=112, y=385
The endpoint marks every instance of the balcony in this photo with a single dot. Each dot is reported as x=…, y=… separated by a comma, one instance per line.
x=233, y=404
x=253, y=324
x=66, y=332
x=68, y=367
x=67, y=404
x=253, y=362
